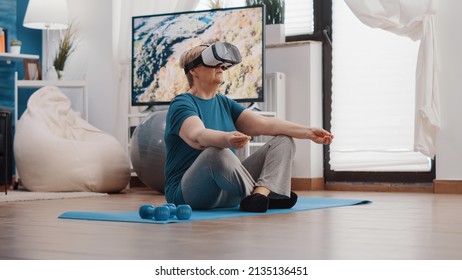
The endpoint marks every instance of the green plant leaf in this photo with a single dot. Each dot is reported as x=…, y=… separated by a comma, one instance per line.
x=66, y=47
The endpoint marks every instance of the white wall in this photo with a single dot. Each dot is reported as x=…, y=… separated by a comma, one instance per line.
x=95, y=54
x=302, y=65
x=449, y=44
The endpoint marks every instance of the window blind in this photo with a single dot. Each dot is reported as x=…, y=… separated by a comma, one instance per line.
x=298, y=14
x=373, y=82
x=299, y=17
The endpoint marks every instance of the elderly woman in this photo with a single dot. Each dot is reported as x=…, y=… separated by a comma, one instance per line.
x=205, y=127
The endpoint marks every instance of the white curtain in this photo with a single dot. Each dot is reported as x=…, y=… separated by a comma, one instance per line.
x=123, y=13
x=414, y=19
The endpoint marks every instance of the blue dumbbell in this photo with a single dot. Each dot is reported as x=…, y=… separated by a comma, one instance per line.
x=146, y=211
x=162, y=213
x=172, y=208
x=183, y=212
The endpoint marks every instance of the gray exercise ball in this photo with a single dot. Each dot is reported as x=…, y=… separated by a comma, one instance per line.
x=147, y=150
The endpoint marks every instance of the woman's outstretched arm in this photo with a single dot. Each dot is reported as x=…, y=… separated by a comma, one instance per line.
x=253, y=124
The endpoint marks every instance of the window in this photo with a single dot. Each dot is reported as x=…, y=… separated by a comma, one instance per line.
x=372, y=104
x=299, y=19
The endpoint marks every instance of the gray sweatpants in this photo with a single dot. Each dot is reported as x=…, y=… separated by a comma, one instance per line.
x=219, y=179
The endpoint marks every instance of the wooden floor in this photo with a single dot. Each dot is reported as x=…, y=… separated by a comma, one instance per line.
x=395, y=226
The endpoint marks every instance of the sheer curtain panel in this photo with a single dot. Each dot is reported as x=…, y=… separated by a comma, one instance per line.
x=414, y=19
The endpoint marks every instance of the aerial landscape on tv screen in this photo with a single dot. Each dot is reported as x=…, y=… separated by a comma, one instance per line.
x=159, y=41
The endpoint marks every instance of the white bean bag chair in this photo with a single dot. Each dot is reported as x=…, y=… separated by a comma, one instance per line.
x=57, y=151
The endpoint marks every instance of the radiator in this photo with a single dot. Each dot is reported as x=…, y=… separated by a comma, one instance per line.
x=274, y=105
x=274, y=88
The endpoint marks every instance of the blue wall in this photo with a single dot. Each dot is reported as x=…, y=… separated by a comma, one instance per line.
x=8, y=17
x=11, y=18
x=8, y=23
x=31, y=38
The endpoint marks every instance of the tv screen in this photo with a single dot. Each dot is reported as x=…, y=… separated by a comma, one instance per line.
x=159, y=40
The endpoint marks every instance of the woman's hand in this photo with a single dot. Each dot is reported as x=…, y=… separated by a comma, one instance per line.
x=237, y=139
x=320, y=136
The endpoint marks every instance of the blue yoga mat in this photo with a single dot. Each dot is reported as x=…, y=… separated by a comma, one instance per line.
x=303, y=204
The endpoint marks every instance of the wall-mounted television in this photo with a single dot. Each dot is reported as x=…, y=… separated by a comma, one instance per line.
x=159, y=40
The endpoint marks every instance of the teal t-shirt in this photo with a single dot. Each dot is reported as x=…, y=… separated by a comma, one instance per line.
x=218, y=113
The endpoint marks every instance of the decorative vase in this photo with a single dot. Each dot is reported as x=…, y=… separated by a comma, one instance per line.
x=60, y=74
x=275, y=34
x=51, y=74
x=15, y=49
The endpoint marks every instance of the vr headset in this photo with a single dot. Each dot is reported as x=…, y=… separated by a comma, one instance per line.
x=220, y=53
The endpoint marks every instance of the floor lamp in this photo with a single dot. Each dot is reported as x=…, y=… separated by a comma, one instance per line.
x=46, y=15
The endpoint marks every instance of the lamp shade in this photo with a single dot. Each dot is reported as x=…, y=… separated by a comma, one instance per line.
x=46, y=14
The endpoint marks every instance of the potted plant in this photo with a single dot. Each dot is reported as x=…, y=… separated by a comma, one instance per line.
x=216, y=4
x=66, y=47
x=275, y=30
x=15, y=46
